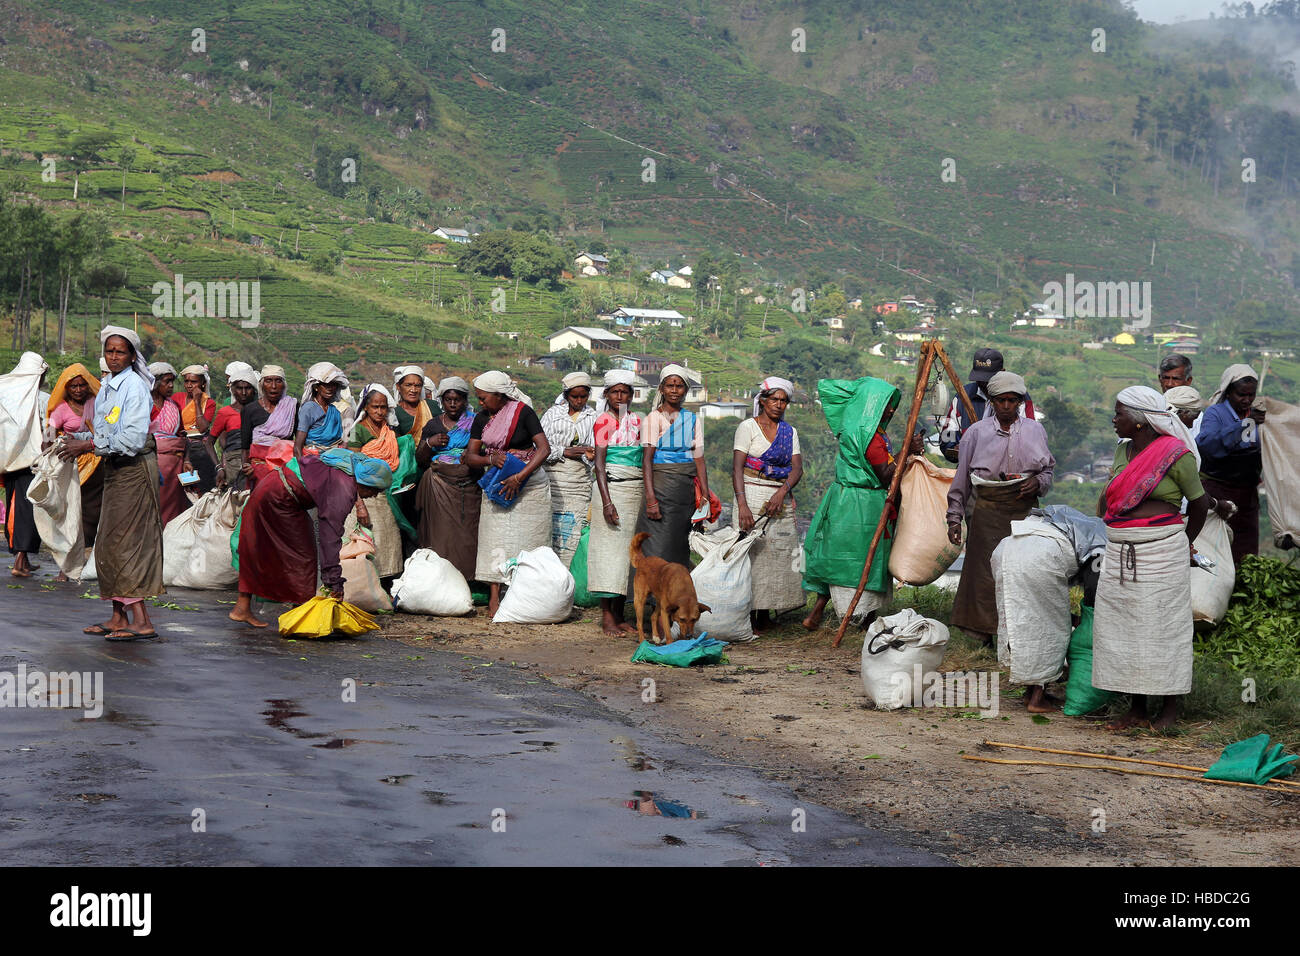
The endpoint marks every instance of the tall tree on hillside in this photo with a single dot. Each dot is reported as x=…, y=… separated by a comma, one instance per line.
x=126, y=160
x=78, y=238
x=84, y=151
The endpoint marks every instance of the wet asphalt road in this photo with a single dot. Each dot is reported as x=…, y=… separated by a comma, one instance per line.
x=253, y=731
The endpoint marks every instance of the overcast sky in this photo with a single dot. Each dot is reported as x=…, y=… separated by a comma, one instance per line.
x=1171, y=11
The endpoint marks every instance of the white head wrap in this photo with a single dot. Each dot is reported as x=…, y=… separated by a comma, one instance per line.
x=322, y=373
x=453, y=383
x=572, y=380
x=619, y=376
x=770, y=383
x=673, y=369
x=197, y=370
x=272, y=371
x=140, y=366
x=502, y=384
x=365, y=397
x=1233, y=373
x=234, y=367
x=246, y=375
x=1150, y=406
x=430, y=386
x=402, y=371
x=1184, y=398
x=159, y=369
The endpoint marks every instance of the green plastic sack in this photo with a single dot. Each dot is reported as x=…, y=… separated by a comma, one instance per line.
x=234, y=542
x=407, y=468
x=578, y=568
x=1080, y=696
x=697, y=650
x=1252, y=761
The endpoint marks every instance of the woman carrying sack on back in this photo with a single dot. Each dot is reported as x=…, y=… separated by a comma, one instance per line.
x=568, y=427
x=766, y=464
x=373, y=437
x=20, y=446
x=507, y=427
x=620, y=490
x=1003, y=459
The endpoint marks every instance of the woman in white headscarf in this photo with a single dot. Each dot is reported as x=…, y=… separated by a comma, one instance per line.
x=320, y=423
x=22, y=422
x=568, y=427
x=1142, y=621
x=198, y=412
x=270, y=420
x=169, y=443
x=448, y=498
x=413, y=412
x=228, y=427
x=675, y=475
x=1231, y=456
x=620, y=487
x=766, y=464
x=507, y=427
x=128, y=547
x=373, y=436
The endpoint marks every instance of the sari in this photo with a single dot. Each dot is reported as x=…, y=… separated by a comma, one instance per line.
x=65, y=421
x=1142, y=619
x=609, y=565
x=526, y=524
x=164, y=425
x=772, y=559
x=448, y=501
x=383, y=517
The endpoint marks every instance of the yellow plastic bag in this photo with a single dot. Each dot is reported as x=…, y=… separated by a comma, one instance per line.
x=323, y=616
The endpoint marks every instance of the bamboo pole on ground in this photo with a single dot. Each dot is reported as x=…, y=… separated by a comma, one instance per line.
x=1149, y=763
x=1141, y=773
x=930, y=349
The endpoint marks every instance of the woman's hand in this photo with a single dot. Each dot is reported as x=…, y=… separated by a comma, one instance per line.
x=246, y=469
x=74, y=448
x=498, y=459
x=579, y=451
x=337, y=593
x=610, y=513
x=954, y=532
x=917, y=445
x=774, y=504
x=1225, y=509
x=652, y=509
x=438, y=441
x=510, y=487
x=746, y=516
x=363, y=514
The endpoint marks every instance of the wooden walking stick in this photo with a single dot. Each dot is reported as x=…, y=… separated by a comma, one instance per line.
x=1150, y=763
x=1140, y=773
x=930, y=349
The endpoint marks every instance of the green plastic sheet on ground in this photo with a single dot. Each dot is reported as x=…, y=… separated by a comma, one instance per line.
x=839, y=537
x=578, y=568
x=1080, y=696
x=698, y=650
x=1252, y=761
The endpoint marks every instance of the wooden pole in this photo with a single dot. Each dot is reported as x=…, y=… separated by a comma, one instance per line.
x=922, y=376
x=1149, y=763
x=1142, y=773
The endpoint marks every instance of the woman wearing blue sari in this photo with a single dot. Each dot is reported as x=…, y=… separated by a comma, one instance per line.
x=766, y=464
x=320, y=424
x=448, y=498
x=674, y=472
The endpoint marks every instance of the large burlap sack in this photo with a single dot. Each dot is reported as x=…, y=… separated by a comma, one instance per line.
x=1279, y=442
x=206, y=564
x=922, y=551
x=430, y=584
x=55, y=494
x=361, y=584
x=723, y=581
x=1212, y=589
x=892, y=649
x=539, y=589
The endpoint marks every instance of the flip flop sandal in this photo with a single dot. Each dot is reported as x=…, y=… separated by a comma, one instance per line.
x=130, y=635
x=96, y=629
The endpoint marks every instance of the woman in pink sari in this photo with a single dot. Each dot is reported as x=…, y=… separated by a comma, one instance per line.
x=1142, y=621
x=165, y=426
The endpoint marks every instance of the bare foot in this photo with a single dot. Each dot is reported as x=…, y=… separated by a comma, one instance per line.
x=1039, y=703
x=1128, y=720
x=813, y=621
x=247, y=617
x=21, y=573
x=626, y=628
x=60, y=578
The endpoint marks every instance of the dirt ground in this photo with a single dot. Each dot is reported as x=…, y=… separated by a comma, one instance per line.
x=791, y=706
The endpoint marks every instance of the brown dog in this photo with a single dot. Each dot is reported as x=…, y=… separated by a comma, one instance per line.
x=674, y=593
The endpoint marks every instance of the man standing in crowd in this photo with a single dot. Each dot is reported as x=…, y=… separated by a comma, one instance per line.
x=988, y=362
x=1175, y=371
